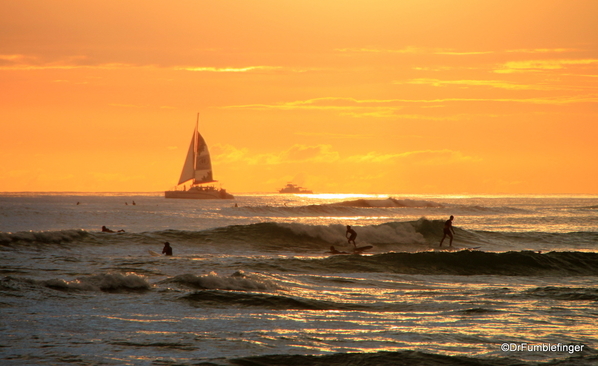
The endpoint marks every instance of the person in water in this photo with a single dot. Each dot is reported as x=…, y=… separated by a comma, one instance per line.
x=351, y=235
x=106, y=230
x=167, y=250
x=448, y=230
x=333, y=250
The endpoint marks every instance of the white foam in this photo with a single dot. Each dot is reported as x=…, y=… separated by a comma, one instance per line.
x=103, y=282
x=237, y=281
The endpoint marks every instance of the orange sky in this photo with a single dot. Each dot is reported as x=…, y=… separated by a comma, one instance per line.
x=351, y=96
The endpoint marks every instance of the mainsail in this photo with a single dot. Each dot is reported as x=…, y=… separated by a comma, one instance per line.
x=198, y=165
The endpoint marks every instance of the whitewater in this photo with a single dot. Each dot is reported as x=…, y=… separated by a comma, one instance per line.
x=251, y=282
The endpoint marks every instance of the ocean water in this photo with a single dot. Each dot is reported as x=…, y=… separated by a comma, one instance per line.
x=253, y=284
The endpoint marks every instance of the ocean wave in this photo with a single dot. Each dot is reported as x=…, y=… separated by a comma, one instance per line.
x=564, y=293
x=344, y=208
x=107, y=282
x=482, y=210
x=417, y=235
x=406, y=358
x=238, y=281
x=361, y=207
x=466, y=262
x=219, y=298
x=536, y=239
x=389, y=202
x=164, y=345
x=42, y=237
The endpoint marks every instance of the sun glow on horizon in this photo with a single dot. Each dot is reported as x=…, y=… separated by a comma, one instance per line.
x=348, y=97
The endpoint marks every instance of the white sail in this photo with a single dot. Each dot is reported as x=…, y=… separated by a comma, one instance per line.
x=188, y=168
x=198, y=170
x=203, y=164
x=198, y=165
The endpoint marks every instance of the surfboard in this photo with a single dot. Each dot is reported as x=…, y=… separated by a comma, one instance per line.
x=154, y=254
x=357, y=250
x=361, y=249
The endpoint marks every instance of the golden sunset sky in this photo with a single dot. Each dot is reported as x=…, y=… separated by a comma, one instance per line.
x=351, y=96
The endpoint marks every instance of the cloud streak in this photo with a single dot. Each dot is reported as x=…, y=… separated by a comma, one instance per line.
x=490, y=83
x=325, y=154
x=390, y=107
x=18, y=62
x=230, y=69
x=450, y=51
x=422, y=157
x=542, y=65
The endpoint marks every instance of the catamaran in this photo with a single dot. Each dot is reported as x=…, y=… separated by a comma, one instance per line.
x=197, y=170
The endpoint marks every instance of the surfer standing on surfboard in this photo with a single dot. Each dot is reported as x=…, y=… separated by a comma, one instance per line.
x=351, y=235
x=448, y=230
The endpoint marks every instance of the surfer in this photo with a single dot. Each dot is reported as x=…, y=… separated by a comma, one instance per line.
x=334, y=251
x=448, y=230
x=106, y=230
x=167, y=250
x=351, y=235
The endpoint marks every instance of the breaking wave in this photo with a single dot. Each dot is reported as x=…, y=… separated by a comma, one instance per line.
x=107, y=282
x=465, y=262
x=49, y=237
x=411, y=236
x=238, y=281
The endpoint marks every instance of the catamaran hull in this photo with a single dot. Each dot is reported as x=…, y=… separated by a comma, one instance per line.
x=199, y=195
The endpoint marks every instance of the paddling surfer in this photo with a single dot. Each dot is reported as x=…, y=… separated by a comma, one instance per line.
x=106, y=230
x=333, y=250
x=448, y=230
x=351, y=235
x=167, y=250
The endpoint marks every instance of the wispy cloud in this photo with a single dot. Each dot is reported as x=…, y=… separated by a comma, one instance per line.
x=13, y=58
x=229, y=69
x=405, y=50
x=542, y=65
x=543, y=50
x=413, y=50
x=421, y=157
x=295, y=154
x=391, y=107
x=126, y=105
x=490, y=83
x=335, y=135
x=25, y=62
x=450, y=51
x=325, y=154
x=336, y=104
